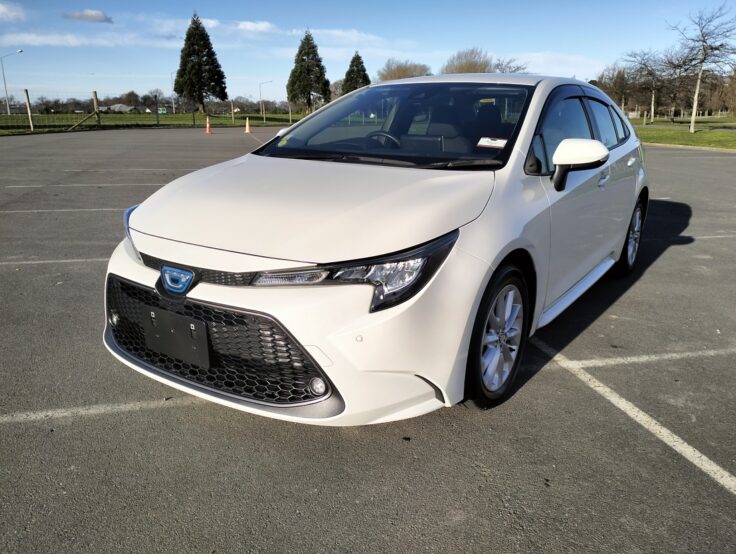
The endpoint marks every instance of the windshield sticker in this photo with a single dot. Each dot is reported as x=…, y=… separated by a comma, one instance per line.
x=490, y=142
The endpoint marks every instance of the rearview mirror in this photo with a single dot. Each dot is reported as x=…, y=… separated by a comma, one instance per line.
x=575, y=154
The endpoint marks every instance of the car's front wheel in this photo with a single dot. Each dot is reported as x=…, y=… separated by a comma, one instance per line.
x=630, y=251
x=498, y=340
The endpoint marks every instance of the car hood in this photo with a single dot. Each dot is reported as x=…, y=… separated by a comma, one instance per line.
x=312, y=211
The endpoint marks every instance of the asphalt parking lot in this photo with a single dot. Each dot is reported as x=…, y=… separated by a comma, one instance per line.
x=621, y=435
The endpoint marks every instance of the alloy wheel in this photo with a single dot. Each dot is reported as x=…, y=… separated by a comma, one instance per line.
x=501, y=338
x=632, y=242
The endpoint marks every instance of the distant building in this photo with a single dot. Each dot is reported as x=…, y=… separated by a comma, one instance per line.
x=118, y=108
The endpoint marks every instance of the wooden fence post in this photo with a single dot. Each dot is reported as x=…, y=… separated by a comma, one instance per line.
x=96, y=106
x=28, y=109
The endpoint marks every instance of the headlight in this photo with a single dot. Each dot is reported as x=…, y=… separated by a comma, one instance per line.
x=396, y=277
x=126, y=226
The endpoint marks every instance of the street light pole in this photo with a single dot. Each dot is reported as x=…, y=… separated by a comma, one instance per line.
x=5, y=85
x=260, y=98
x=173, y=93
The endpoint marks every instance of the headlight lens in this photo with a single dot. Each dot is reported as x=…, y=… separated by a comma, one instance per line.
x=396, y=277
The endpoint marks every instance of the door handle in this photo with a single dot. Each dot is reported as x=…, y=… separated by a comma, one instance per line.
x=603, y=179
x=631, y=161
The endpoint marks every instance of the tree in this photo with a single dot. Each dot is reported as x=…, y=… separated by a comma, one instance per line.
x=307, y=81
x=200, y=75
x=397, y=69
x=614, y=81
x=646, y=67
x=476, y=60
x=676, y=65
x=336, y=89
x=356, y=76
x=131, y=98
x=707, y=38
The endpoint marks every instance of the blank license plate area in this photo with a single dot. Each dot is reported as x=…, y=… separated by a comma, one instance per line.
x=176, y=336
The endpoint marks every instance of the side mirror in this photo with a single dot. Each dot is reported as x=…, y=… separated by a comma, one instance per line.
x=282, y=132
x=574, y=155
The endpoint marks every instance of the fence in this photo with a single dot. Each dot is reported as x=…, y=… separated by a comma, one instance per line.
x=44, y=116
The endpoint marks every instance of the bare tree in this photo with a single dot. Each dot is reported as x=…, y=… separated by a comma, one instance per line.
x=614, y=81
x=398, y=69
x=677, y=64
x=508, y=65
x=646, y=67
x=476, y=60
x=707, y=37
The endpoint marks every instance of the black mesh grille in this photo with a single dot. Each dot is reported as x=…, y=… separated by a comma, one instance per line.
x=202, y=275
x=251, y=355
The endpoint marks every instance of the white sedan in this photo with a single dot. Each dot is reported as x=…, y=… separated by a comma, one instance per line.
x=384, y=257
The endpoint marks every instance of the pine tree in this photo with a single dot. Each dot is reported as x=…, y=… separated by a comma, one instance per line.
x=308, y=76
x=356, y=76
x=199, y=75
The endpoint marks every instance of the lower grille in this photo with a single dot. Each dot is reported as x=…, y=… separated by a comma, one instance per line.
x=252, y=356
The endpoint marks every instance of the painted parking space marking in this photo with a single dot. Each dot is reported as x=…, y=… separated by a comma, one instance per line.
x=97, y=409
x=131, y=169
x=62, y=210
x=702, y=237
x=42, y=262
x=86, y=185
x=651, y=358
x=691, y=454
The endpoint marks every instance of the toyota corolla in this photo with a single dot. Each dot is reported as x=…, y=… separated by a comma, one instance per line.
x=384, y=257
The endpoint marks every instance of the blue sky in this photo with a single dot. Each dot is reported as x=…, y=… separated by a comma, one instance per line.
x=71, y=48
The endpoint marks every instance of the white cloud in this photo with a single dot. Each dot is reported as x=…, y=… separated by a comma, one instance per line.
x=210, y=23
x=92, y=16
x=11, y=12
x=257, y=26
x=350, y=37
x=561, y=64
x=72, y=40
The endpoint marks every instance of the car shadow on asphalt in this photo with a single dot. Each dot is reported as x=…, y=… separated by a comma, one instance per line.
x=665, y=228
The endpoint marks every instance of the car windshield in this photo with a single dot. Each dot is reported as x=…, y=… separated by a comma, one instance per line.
x=432, y=125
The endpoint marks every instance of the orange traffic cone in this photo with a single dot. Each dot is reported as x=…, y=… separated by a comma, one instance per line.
x=247, y=126
x=208, y=129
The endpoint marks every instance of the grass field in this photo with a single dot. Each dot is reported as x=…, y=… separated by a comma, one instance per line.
x=679, y=135
x=18, y=123
x=715, y=132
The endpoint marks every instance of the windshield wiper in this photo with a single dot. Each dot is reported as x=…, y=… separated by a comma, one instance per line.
x=463, y=164
x=349, y=158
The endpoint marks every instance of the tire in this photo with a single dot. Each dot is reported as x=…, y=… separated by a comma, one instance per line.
x=630, y=251
x=497, y=345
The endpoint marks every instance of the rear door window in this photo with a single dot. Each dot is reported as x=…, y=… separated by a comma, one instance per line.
x=603, y=121
x=621, y=130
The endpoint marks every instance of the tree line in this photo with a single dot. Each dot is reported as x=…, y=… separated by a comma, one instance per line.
x=697, y=74
x=200, y=77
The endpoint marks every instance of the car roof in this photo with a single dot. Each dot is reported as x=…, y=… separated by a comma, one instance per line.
x=491, y=78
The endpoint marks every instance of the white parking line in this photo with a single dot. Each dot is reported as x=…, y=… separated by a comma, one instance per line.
x=702, y=237
x=649, y=358
x=692, y=455
x=131, y=169
x=69, y=261
x=715, y=237
x=98, y=409
x=62, y=210
x=85, y=185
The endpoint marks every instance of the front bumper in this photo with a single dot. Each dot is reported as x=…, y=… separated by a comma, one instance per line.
x=394, y=364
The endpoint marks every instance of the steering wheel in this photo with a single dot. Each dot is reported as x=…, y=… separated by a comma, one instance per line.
x=389, y=136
